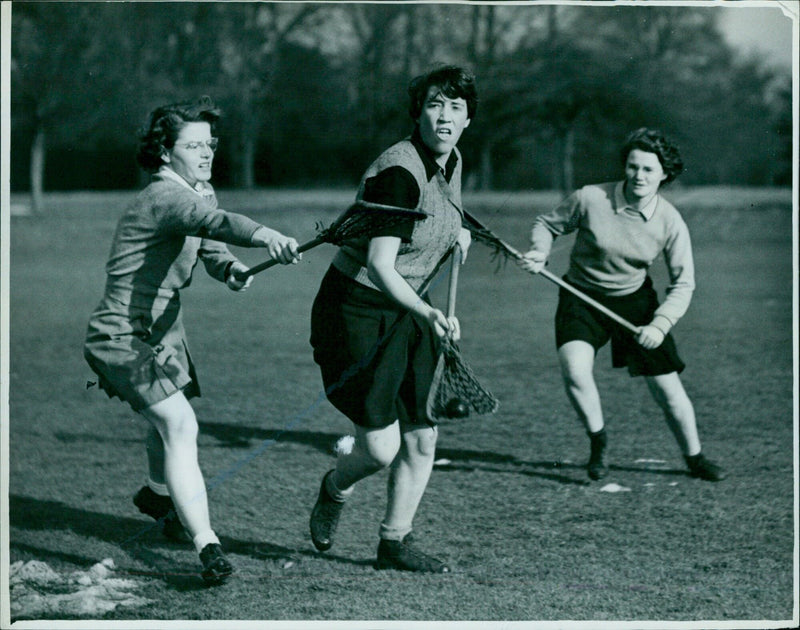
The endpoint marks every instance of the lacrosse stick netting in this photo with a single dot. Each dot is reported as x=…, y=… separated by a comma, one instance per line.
x=453, y=379
x=362, y=219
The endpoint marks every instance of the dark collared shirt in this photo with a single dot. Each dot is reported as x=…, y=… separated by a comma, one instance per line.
x=396, y=186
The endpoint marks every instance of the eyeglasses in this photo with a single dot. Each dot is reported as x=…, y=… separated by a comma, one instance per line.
x=211, y=143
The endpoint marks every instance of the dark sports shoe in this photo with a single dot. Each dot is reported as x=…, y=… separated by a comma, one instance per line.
x=703, y=468
x=163, y=510
x=401, y=556
x=216, y=568
x=324, y=517
x=596, y=468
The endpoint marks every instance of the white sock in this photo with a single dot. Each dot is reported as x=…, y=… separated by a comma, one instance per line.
x=159, y=488
x=205, y=538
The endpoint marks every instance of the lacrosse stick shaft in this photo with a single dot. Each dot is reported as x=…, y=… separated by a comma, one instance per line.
x=455, y=264
x=608, y=312
x=353, y=223
x=577, y=292
x=244, y=275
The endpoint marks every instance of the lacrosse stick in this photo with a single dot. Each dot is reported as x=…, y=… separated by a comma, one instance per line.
x=484, y=235
x=357, y=221
x=455, y=391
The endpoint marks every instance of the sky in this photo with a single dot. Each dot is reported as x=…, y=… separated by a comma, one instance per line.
x=763, y=28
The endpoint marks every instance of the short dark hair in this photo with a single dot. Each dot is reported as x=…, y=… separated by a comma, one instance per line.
x=653, y=141
x=453, y=81
x=165, y=124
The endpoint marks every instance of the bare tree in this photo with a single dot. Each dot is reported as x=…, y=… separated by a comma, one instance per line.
x=57, y=78
x=249, y=38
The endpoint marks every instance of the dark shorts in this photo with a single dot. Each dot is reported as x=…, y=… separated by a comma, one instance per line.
x=576, y=320
x=376, y=359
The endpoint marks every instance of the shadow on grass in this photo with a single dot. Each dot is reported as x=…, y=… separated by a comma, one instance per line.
x=72, y=438
x=140, y=539
x=465, y=460
x=236, y=436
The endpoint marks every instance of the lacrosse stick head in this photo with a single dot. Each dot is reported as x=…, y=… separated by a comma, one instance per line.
x=501, y=251
x=364, y=218
x=453, y=380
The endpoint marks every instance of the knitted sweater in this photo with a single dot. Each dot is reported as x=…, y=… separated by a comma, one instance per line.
x=616, y=244
x=160, y=238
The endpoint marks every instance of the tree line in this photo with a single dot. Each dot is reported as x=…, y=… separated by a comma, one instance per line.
x=312, y=91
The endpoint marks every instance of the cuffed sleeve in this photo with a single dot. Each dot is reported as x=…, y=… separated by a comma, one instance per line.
x=216, y=258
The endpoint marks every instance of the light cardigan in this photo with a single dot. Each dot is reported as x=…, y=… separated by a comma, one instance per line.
x=616, y=244
x=161, y=236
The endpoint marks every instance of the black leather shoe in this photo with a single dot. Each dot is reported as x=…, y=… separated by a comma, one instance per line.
x=596, y=468
x=703, y=468
x=163, y=510
x=216, y=568
x=324, y=517
x=401, y=556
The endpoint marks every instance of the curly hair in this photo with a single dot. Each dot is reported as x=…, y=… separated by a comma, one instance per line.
x=653, y=141
x=165, y=124
x=453, y=81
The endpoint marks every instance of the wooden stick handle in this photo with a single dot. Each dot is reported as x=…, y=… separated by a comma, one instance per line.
x=577, y=292
x=244, y=275
x=549, y=276
x=606, y=311
x=455, y=264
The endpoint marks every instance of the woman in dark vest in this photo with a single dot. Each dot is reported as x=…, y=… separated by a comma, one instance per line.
x=373, y=330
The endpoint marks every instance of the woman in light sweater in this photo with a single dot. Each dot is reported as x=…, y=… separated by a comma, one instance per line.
x=135, y=340
x=373, y=330
x=622, y=227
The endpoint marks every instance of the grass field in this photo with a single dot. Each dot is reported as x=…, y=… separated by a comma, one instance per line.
x=513, y=512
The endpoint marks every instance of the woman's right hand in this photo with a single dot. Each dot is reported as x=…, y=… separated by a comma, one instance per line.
x=444, y=326
x=279, y=247
x=533, y=261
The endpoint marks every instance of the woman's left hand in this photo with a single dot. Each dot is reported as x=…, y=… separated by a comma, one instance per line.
x=232, y=282
x=464, y=240
x=650, y=337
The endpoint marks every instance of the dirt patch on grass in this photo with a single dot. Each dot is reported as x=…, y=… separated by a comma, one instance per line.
x=37, y=591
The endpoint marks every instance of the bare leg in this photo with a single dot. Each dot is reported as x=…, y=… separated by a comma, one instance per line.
x=176, y=423
x=577, y=364
x=408, y=479
x=668, y=392
x=374, y=450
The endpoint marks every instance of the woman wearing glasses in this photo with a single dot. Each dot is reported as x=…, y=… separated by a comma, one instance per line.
x=135, y=340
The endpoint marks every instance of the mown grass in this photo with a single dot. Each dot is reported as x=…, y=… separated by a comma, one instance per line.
x=530, y=538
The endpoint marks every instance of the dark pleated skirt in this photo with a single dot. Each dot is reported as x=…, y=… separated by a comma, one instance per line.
x=376, y=359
